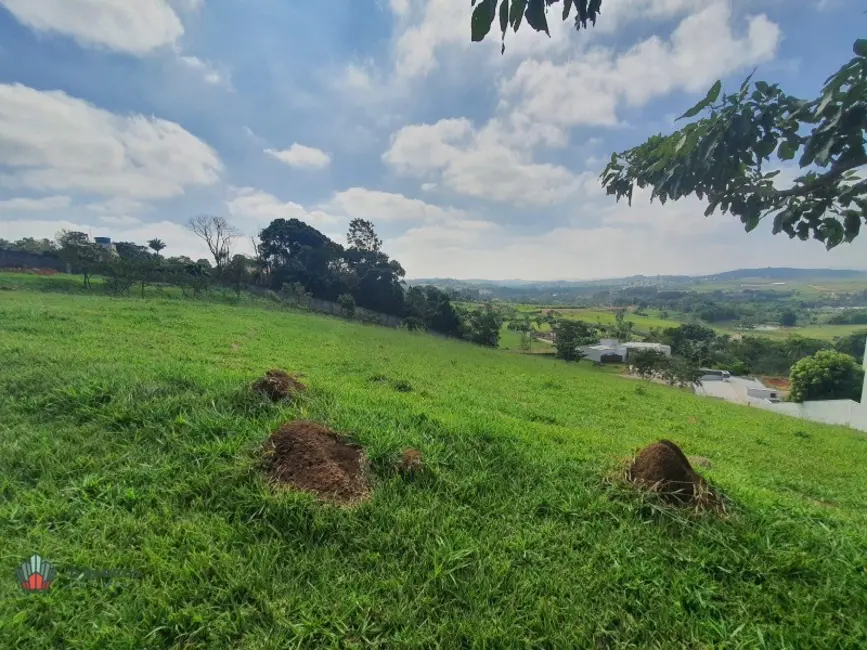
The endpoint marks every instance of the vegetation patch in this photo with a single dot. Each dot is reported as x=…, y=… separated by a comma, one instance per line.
x=310, y=457
x=279, y=385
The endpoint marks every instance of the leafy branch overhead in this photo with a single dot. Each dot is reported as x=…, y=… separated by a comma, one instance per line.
x=724, y=156
x=511, y=13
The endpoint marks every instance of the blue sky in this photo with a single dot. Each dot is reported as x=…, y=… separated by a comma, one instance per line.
x=125, y=118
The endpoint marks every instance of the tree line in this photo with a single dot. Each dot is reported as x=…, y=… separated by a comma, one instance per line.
x=291, y=258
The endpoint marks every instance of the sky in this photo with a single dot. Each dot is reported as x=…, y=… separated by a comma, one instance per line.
x=124, y=119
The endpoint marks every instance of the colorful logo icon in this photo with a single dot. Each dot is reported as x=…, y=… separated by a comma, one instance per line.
x=36, y=574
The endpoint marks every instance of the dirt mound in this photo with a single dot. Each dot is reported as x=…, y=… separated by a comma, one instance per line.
x=278, y=385
x=662, y=467
x=411, y=462
x=311, y=457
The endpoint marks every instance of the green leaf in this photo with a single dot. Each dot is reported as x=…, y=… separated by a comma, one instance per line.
x=860, y=47
x=504, y=16
x=483, y=18
x=852, y=225
x=713, y=93
x=710, y=98
x=567, y=7
x=786, y=151
x=536, y=16
x=516, y=13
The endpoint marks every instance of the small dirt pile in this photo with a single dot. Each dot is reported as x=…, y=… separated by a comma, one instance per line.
x=313, y=458
x=663, y=468
x=279, y=385
x=411, y=462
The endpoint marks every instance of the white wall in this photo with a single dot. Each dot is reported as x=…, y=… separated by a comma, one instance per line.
x=842, y=411
x=864, y=389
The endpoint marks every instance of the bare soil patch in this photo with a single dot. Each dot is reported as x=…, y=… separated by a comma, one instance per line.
x=279, y=385
x=311, y=457
x=664, y=469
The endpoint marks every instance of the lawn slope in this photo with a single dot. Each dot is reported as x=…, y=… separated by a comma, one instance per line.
x=129, y=440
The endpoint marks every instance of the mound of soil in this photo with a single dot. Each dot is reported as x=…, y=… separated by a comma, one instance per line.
x=313, y=458
x=279, y=385
x=411, y=462
x=662, y=467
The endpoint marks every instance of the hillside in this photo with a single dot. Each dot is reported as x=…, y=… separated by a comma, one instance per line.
x=129, y=439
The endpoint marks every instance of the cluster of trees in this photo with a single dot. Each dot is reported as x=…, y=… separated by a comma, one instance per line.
x=29, y=245
x=678, y=371
x=291, y=258
x=849, y=317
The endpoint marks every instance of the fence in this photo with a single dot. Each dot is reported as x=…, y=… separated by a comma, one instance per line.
x=328, y=307
x=24, y=260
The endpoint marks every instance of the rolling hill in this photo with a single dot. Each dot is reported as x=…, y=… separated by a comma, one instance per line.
x=130, y=441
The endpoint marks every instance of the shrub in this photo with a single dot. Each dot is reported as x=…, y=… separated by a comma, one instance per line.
x=826, y=375
x=347, y=303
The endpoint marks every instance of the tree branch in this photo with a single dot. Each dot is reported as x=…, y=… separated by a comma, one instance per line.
x=831, y=176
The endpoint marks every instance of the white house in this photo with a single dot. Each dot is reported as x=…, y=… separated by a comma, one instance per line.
x=613, y=347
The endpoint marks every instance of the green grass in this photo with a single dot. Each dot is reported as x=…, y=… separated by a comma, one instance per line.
x=824, y=332
x=128, y=440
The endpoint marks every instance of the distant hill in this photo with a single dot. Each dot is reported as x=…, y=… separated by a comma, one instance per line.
x=774, y=274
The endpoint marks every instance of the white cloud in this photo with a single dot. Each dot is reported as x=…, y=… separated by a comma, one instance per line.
x=358, y=202
x=52, y=141
x=300, y=156
x=254, y=209
x=607, y=251
x=123, y=220
x=477, y=164
x=589, y=90
x=208, y=71
x=116, y=205
x=45, y=204
x=130, y=26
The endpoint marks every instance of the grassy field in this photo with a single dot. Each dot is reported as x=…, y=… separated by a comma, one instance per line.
x=820, y=331
x=129, y=440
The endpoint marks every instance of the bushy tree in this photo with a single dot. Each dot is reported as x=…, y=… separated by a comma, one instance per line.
x=788, y=318
x=852, y=345
x=483, y=326
x=826, y=375
x=569, y=336
x=237, y=273
x=648, y=363
x=76, y=249
x=682, y=372
x=30, y=245
x=432, y=308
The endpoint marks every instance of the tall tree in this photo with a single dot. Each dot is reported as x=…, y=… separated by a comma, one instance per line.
x=362, y=236
x=217, y=233
x=296, y=252
x=156, y=245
